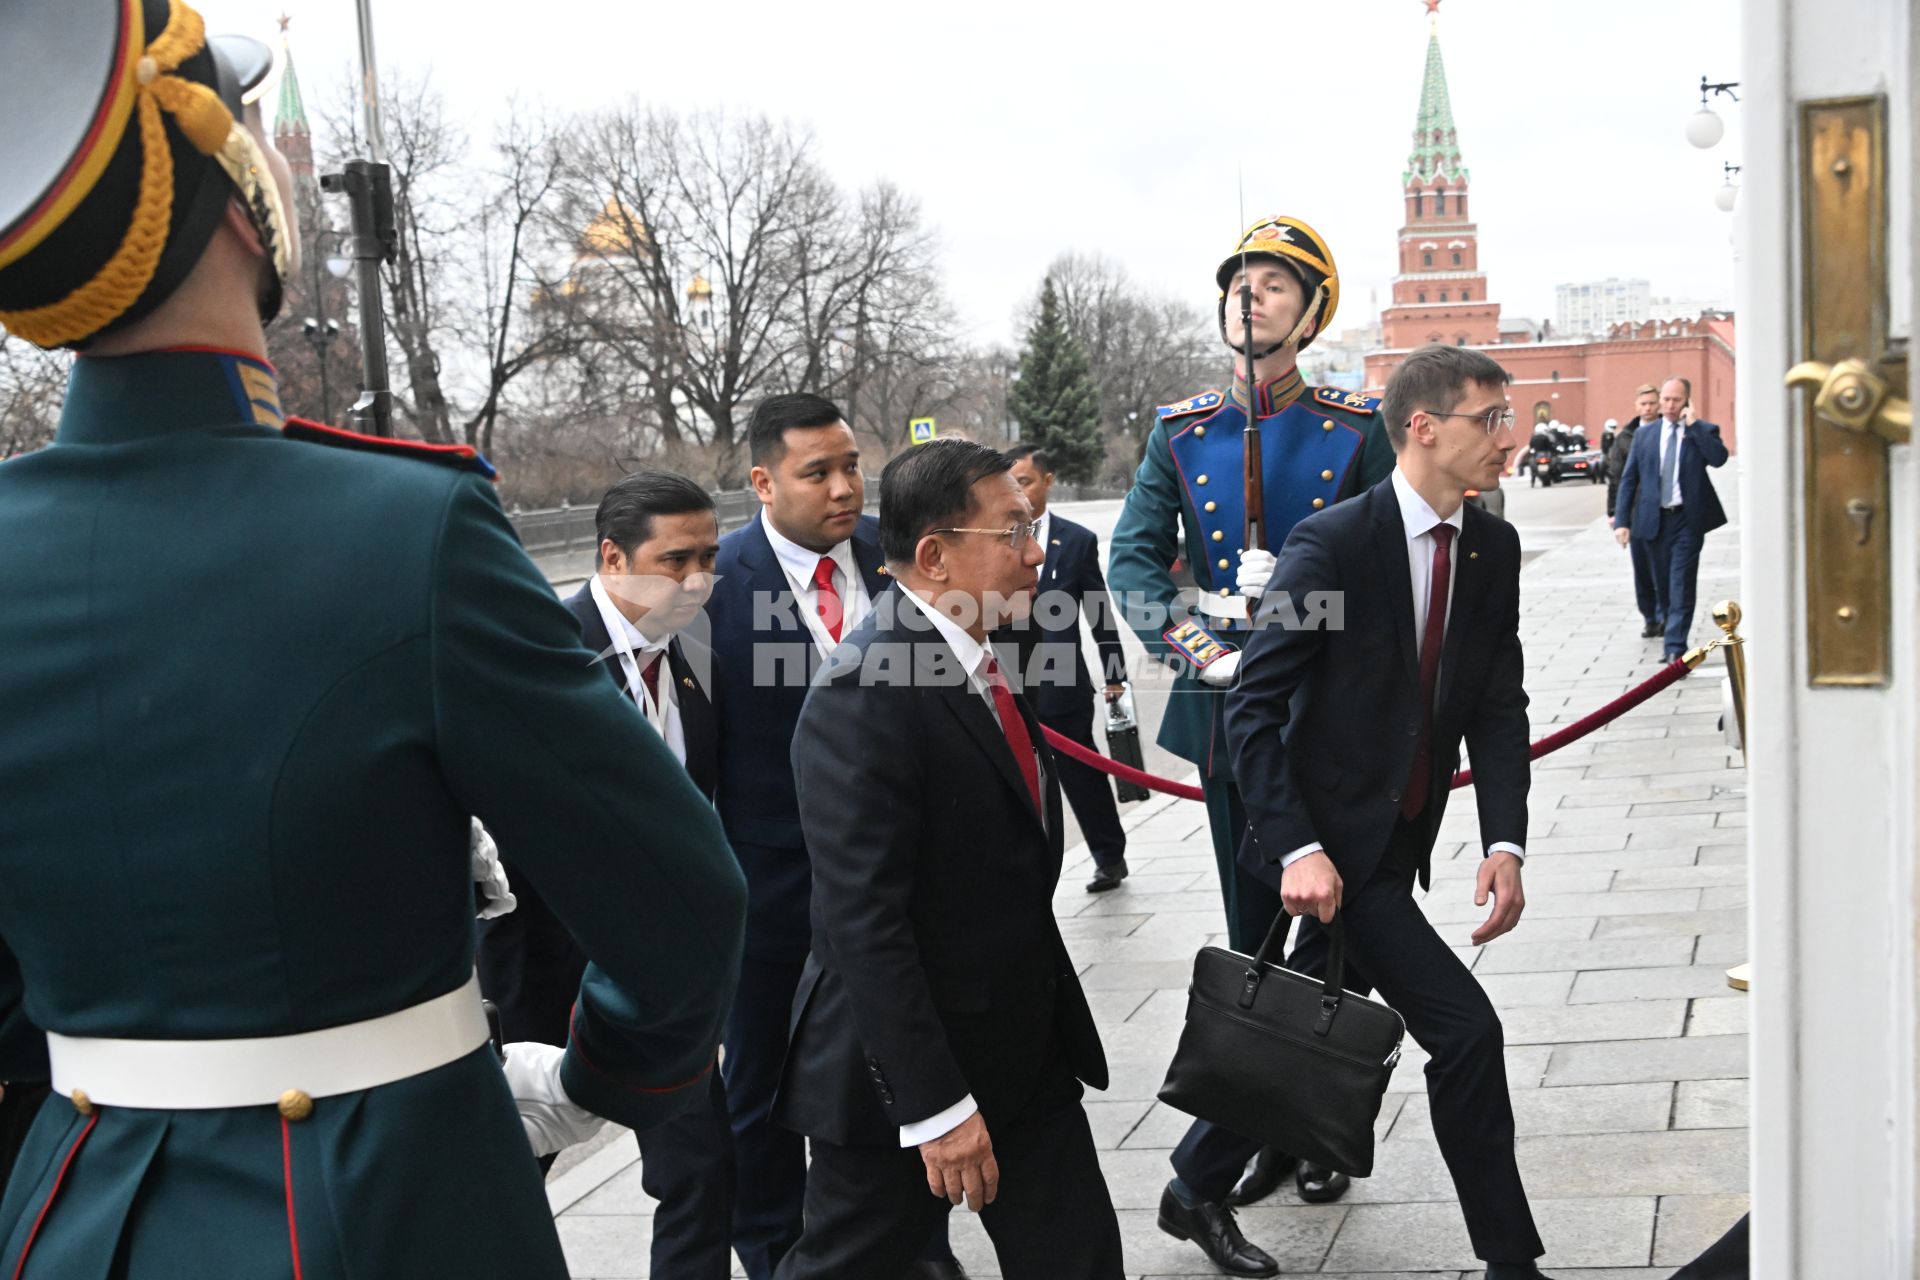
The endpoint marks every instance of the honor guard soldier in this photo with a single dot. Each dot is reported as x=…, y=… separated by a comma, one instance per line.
x=1317, y=446
x=259, y=677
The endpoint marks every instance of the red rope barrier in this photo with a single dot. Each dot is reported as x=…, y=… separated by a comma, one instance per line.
x=1126, y=773
x=1605, y=715
x=1559, y=738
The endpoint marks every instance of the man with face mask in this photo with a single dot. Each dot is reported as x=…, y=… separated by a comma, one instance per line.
x=1318, y=446
x=236, y=914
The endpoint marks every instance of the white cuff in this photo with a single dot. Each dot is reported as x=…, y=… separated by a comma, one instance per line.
x=1502, y=846
x=912, y=1135
x=1300, y=853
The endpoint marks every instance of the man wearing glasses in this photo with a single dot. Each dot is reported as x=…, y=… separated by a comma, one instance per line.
x=1317, y=447
x=940, y=1036
x=1348, y=739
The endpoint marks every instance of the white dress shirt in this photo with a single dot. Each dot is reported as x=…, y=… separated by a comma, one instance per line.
x=973, y=659
x=798, y=564
x=1420, y=520
x=1670, y=431
x=634, y=651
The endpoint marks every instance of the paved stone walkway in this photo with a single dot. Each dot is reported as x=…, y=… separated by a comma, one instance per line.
x=1627, y=1053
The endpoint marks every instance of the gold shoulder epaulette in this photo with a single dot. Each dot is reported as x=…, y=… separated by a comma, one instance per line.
x=1351, y=401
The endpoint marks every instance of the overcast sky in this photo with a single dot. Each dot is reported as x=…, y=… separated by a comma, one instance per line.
x=1030, y=129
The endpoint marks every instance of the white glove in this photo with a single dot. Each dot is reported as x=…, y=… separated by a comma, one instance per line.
x=553, y=1121
x=490, y=875
x=1256, y=571
x=1220, y=672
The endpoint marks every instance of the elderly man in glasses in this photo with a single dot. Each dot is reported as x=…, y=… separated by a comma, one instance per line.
x=940, y=1037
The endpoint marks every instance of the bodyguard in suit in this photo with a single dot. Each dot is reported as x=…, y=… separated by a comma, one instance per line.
x=1349, y=731
x=659, y=537
x=1054, y=670
x=791, y=584
x=1668, y=505
x=940, y=1036
x=1646, y=405
x=236, y=905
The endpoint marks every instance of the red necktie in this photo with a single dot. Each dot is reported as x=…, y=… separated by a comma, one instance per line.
x=650, y=676
x=1414, y=797
x=1014, y=726
x=829, y=605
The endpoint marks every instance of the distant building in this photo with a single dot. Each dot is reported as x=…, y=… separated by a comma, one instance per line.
x=1595, y=306
x=1579, y=378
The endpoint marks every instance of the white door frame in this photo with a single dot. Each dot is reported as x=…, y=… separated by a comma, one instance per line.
x=1832, y=771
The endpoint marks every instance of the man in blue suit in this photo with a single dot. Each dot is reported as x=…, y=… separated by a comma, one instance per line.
x=1057, y=683
x=790, y=585
x=1667, y=502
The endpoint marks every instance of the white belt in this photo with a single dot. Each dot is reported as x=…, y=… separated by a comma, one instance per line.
x=1233, y=608
x=190, y=1075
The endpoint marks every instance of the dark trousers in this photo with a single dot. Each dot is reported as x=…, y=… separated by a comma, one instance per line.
x=1251, y=905
x=1088, y=790
x=869, y=1212
x=1393, y=950
x=1644, y=596
x=687, y=1165
x=1675, y=555
x=17, y=1110
x=772, y=1161
x=1725, y=1259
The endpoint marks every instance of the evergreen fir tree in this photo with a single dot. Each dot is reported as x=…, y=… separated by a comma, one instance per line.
x=1055, y=399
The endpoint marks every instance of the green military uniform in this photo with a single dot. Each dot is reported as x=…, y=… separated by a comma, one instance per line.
x=1318, y=446
x=256, y=682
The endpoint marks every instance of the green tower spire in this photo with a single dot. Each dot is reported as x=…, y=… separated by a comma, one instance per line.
x=290, y=116
x=1436, y=145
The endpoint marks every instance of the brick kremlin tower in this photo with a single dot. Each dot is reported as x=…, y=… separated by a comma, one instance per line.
x=293, y=137
x=312, y=343
x=1440, y=294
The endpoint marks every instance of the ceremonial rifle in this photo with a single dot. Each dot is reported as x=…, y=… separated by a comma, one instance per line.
x=1256, y=503
x=368, y=186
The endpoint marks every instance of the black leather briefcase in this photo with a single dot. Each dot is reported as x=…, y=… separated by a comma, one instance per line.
x=1123, y=746
x=1294, y=1062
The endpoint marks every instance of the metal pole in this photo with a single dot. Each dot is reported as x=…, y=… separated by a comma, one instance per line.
x=370, y=85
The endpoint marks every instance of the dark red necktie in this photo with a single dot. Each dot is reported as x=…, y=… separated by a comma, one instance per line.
x=1414, y=796
x=829, y=605
x=1014, y=726
x=650, y=676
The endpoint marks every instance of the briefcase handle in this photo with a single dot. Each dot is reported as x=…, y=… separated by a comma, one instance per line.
x=1332, y=989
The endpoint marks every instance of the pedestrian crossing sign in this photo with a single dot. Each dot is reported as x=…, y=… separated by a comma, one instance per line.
x=920, y=430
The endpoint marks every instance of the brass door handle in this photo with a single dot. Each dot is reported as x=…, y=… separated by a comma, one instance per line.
x=1855, y=398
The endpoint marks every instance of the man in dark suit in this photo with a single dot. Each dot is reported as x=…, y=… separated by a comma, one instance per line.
x=790, y=585
x=1388, y=634
x=1667, y=502
x=659, y=537
x=1646, y=405
x=1053, y=669
x=940, y=1036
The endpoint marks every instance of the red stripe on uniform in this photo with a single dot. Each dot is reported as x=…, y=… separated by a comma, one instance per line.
x=286, y=1175
x=58, y=1178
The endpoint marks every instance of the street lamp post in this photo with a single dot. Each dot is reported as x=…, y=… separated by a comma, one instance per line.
x=1704, y=128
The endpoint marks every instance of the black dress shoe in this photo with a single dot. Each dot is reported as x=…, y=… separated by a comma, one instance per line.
x=1107, y=877
x=1264, y=1174
x=1212, y=1227
x=1650, y=630
x=1320, y=1185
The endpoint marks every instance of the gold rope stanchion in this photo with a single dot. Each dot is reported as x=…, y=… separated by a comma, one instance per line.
x=1726, y=616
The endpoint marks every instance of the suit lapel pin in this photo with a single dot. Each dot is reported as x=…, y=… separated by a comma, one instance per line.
x=687, y=681
x=1056, y=542
x=1473, y=555
x=882, y=571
